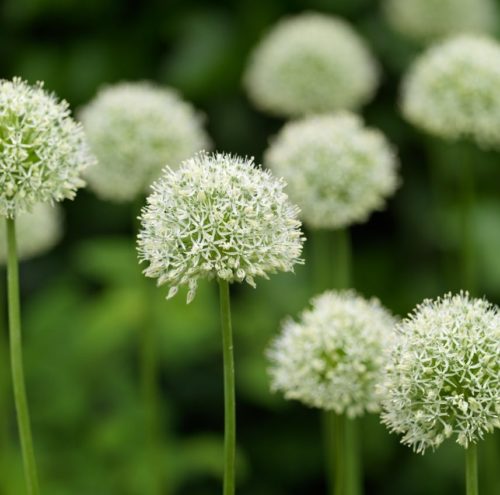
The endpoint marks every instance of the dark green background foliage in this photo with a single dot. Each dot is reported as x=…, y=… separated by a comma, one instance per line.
x=86, y=303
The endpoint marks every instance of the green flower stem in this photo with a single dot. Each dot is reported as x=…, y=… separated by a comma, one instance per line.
x=332, y=266
x=471, y=470
x=321, y=260
x=352, y=457
x=341, y=259
x=4, y=391
x=16, y=357
x=467, y=223
x=229, y=389
x=333, y=464
x=331, y=259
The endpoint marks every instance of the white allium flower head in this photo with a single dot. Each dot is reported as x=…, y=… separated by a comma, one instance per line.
x=333, y=357
x=443, y=379
x=218, y=216
x=426, y=20
x=135, y=129
x=338, y=171
x=43, y=149
x=36, y=232
x=453, y=90
x=311, y=63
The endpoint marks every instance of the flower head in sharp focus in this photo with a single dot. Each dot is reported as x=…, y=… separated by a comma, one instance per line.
x=36, y=232
x=337, y=170
x=311, y=63
x=218, y=216
x=333, y=357
x=135, y=129
x=42, y=149
x=443, y=379
x=426, y=20
x=453, y=90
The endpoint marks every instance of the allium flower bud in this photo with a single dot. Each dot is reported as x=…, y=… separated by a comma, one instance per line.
x=424, y=20
x=311, y=63
x=218, y=216
x=36, y=232
x=337, y=170
x=443, y=379
x=453, y=90
x=43, y=149
x=135, y=129
x=333, y=357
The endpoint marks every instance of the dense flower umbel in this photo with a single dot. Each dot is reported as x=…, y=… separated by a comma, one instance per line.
x=333, y=357
x=425, y=20
x=337, y=170
x=36, y=232
x=42, y=149
x=218, y=216
x=453, y=90
x=444, y=376
x=135, y=129
x=311, y=63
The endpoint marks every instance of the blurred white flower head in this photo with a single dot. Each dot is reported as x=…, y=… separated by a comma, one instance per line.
x=427, y=20
x=338, y=171
x=135, y=130
x=311, y=63
x=453, y=90
x=333, y=357
x=36, y=232
x=43, y=149
x=443, y=379
x=218, y=216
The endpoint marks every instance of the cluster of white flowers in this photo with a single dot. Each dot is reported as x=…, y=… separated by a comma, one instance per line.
x=311, y=63
x=333, y=357
x=444, y=374
x=218, y=216
x=425, y=20
x=43, y=149
x=36, y=232
x=135, y=129
x=337, y=170
x=453, y=90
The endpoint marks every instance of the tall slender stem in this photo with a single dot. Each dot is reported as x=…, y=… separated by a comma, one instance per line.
x=471, y=482
x=331, y=259
x=332, y=459
x=16, y=357
x=229, y=389
x=352, y=457
x=332, y=267
x=4, y=389
x=321, y=260
x=467, y=222
x=340, y=458
x=341, y=259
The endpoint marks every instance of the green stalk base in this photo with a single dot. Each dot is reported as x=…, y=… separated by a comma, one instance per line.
x=16, y=357
x=229, y=390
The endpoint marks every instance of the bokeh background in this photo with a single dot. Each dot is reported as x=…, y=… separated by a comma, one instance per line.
x=86, y=302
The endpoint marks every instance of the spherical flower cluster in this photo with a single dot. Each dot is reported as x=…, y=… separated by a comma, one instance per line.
x=135, y=129
x=43, y=149
x=453, y=90
x=333, y=357
x=337, y=170
x=444, y=375
x=311, y=63
x=218, y=216
x=36, y=232
x=425, y=20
